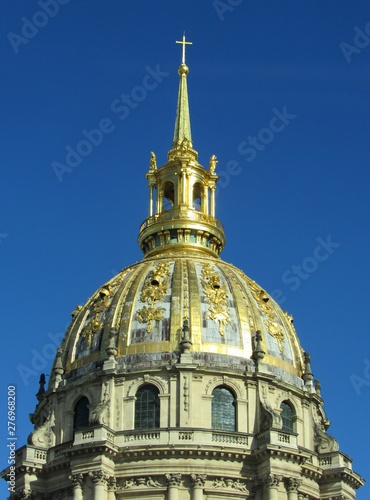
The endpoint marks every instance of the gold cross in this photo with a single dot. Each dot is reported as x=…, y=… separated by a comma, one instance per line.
x=183, y=43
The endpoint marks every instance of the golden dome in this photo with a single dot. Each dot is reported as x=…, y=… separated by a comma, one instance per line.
x=182, y=298
x=142, y=312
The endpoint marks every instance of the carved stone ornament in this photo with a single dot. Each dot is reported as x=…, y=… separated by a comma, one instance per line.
x=228, y=483
x=99, y=477
x=42, y=436
x=216, y=295
x=292, y=484
x=272, y=481
x=153, y=291
x=77, y=480
x=101, y=413
x=148, y=482
x=198, y=480
x=324, y=442
x=174, y=480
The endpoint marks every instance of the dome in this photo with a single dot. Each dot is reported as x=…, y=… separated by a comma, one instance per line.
x=181, y=377
x=150, y=309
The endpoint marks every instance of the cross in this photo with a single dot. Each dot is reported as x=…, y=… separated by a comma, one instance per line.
x=183, y=43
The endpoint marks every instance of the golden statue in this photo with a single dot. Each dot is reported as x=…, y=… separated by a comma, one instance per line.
x=153, y=162
x=212, y=164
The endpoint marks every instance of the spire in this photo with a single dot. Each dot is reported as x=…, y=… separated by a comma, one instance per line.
x=182, y=123
x=182, y=195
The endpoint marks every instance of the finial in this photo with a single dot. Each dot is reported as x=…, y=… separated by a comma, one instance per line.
x=42, y=383
x=258, y=353
x=186, y=343
x=183, y=43
x=112, y=350
x=307, y=374
x=58, y=368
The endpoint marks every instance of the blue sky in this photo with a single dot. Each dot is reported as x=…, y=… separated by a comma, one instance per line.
x=294, y=201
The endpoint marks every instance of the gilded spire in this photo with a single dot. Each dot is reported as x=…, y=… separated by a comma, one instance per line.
x=182, y=123
x=182, y=193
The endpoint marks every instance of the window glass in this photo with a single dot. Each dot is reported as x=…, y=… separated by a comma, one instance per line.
x=81, y=416
x=287, y=417
x=147, y=408
x=223, y=409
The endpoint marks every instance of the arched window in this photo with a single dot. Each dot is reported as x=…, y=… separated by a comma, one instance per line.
x=197, y=196
x=287, y=417
x=81, y=414
x=223, y=409
x=168, y=196
x=147, y=408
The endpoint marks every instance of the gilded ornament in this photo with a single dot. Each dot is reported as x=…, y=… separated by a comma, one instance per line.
x=154, y=290
x=212, y=164
x=94, y=326
x=216, y=294
x=153, y=162
x=148, y=314
x=273, y=327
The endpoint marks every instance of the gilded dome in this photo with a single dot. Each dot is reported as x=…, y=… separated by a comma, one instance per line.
x=151, y=309
x=182, y=298
x=183, y=368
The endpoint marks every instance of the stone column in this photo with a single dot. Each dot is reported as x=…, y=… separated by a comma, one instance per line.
x=272, y=482
x=197, y=484
x=77, y=481
x=292, y=485
x=99, y=480
x=173, y=481
x=112, y=483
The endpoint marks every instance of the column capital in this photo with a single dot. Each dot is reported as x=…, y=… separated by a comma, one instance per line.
x=76, y=479
x=292, y=483
x=198, y=480
x=112, y=483
x=99, y=477
x=174, y=479
x=272, y=480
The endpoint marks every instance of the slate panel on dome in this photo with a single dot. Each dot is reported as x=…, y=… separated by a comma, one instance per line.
x=152, y=307
x=219, y=319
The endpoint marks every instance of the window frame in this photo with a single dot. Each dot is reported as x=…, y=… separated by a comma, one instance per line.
x=138, y=412
x=224, y=411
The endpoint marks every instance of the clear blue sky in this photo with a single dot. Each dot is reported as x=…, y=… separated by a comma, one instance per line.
x=302, y=184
